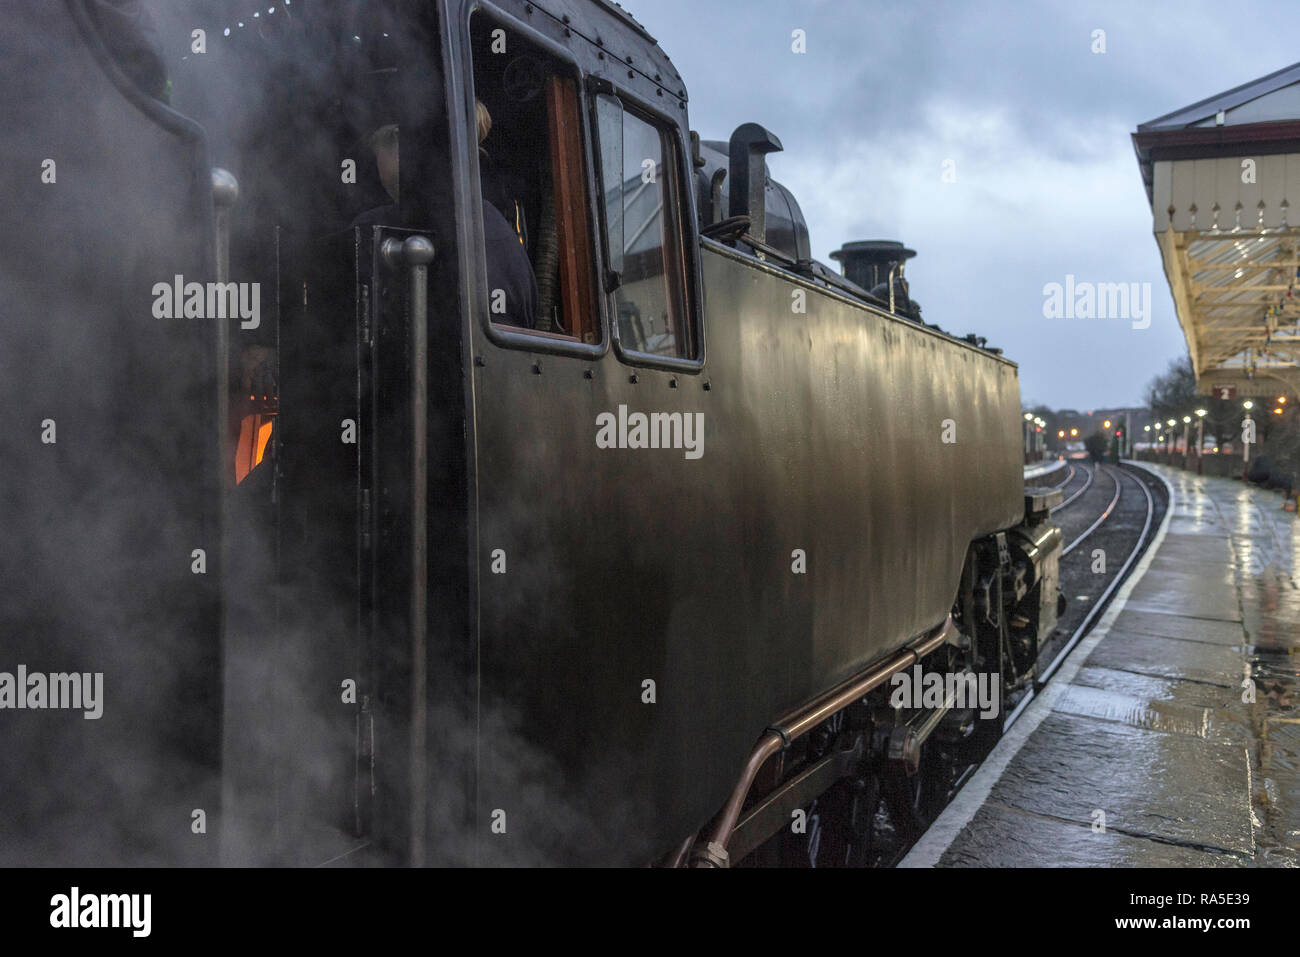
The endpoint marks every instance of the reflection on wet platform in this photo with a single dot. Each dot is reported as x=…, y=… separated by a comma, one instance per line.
x=1172, y=736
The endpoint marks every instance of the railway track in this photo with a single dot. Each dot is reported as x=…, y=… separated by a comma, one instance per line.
x=1106, y=513
x=1090, y=577
x=1089, y=474
x=1069, y=477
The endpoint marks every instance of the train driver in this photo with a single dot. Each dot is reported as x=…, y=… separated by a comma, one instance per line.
x=508, y=268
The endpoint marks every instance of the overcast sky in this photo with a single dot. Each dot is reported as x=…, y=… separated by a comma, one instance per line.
x=1037, y=126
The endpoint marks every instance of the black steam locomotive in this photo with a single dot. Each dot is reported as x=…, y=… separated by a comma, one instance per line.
x=378, y=567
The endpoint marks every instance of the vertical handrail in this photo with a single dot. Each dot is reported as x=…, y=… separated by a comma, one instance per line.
x=225, y=192
x=415, y=253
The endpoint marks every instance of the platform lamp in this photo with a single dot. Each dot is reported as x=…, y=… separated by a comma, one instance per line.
x=1173, y=439
x=1245, y=446
x=1200, y=440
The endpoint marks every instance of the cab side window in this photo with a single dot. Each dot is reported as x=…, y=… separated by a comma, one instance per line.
x=535, y=199
x=641, y=185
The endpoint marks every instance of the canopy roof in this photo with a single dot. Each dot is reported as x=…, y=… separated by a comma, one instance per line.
x=1220, y=175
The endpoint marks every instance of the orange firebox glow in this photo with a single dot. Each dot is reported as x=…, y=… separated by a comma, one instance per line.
x=254, y=432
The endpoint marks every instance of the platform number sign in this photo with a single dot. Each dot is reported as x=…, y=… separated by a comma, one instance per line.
x=1225, y=392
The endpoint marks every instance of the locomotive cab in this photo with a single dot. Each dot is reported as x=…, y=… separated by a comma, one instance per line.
x=350, y=527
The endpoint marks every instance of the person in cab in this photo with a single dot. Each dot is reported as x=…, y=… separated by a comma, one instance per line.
x=508, y=268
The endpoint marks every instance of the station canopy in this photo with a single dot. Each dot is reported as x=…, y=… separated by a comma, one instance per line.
x=1223, y=179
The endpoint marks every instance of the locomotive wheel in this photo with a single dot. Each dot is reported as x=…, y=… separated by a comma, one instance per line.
x=988, y=731
x=915, y=798
x=841, y=830
x=850, y=808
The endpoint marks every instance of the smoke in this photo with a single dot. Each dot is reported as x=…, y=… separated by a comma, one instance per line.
x=228, y=735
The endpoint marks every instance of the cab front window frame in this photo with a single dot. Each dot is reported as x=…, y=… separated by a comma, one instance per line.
x=685, y=266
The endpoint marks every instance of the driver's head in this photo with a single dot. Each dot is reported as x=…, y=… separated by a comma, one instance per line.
x=384, y=143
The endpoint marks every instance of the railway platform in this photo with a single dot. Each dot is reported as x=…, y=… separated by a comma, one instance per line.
x=1171, y=734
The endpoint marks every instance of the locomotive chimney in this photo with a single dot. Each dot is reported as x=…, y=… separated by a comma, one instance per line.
x=868, y=263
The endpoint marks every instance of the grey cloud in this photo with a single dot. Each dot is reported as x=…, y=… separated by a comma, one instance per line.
x=1038, y=126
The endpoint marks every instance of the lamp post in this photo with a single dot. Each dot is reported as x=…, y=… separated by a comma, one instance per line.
x=1245, y=445
x=1187, y=448
x=1173, y=439
x=1200, y=440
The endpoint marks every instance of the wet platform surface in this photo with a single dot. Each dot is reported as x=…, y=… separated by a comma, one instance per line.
x=1141, y=750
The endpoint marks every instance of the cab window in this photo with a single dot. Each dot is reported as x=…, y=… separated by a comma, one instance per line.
x=539, y=248
x=640, y=182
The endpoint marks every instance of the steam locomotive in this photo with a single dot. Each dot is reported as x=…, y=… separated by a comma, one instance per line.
x=375, y=576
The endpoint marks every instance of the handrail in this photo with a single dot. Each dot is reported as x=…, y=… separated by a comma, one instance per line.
x=415, y=253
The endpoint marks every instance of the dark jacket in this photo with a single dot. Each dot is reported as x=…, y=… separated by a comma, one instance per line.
x=508, y=268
